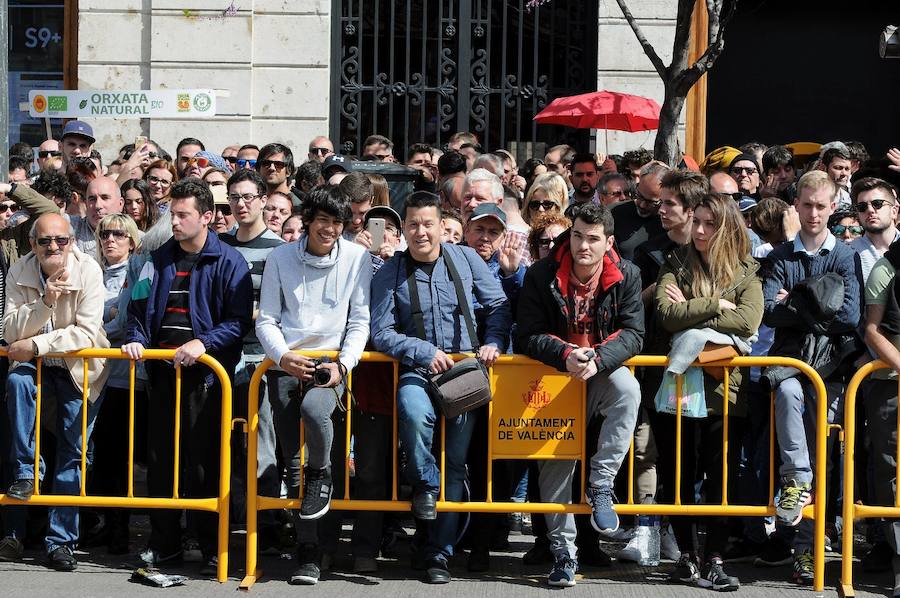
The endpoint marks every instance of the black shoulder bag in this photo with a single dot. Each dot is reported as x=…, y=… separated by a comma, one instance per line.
x=465, y=386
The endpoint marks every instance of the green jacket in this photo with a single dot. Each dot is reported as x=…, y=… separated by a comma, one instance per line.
x=704, y=312
x=14, y=240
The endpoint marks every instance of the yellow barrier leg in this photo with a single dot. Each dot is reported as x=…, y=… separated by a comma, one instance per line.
x=37, y=430
x=224, y=473
x=251, y=572
x=849, y=506
x=821, y=464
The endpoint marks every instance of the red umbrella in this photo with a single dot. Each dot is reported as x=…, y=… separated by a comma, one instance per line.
x=608, y=110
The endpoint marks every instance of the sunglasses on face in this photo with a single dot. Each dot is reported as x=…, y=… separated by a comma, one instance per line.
x=877, y=204
x=320, y=150
x=49, y=154
x=230, y=159
x=8, y=207
x=60, y=241
x=840, y=229
x=544, y=204
x=201, y=161
x=748, y=170
x=278, y=164
x=224, y=208
x=118, y=234
x=244, y=163
x=546, y=243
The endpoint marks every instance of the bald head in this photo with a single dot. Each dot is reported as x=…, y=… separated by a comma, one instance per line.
x=103, y=198
x=721, y=182
x=320, y=148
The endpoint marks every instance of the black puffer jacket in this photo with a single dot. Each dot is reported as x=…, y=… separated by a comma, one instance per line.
x=543, y=314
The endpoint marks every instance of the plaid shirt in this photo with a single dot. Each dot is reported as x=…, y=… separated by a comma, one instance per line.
x=519, y=240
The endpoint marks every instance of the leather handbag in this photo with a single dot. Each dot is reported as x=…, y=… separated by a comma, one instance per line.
x=466, y=386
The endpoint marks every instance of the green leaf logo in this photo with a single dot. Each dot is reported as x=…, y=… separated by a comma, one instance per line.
x=82, y=104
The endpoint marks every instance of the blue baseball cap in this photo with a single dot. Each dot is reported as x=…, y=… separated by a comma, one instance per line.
x=79, y=128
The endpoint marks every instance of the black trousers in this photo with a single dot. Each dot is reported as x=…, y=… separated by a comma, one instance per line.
x=201, y=402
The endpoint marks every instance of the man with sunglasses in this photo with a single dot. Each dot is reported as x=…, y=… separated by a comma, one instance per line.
x=276, y=165
x=613, y=188
x=49, y=155
x=745, y=171
x=637, y=221
x=320, y=148
x=55, y=299
x=187, y=148
x=875, y=202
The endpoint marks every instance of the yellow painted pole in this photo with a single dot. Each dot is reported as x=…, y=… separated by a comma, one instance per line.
x=631, y=481
x=490, y=439
x=821, y=468
x=37, y=428
x=772, y=451
x=251, y=572
x=85, y=391
x=348, y=434
x=176, y=462
x=679, y=390
x=725, y=381
x=131, y=369
x=394, y=460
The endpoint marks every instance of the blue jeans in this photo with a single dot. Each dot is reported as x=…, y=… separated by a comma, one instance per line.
x=21, y=391
x=416, y=422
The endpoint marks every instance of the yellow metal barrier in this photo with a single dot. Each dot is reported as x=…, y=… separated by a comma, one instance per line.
x=217, y=504
x=851, y=510
x=815, y=511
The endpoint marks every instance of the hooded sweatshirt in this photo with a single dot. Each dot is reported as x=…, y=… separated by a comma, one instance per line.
x=315, y=302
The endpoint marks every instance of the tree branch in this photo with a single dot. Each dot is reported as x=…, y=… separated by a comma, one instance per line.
x=646, y=45
x=682, y=42
x=721, y=19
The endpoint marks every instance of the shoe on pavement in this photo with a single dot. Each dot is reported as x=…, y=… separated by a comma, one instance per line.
x=775, y=553
x=686, y=570
x=307, y=574
x=668, y=545
x=21, y=489
x=793, y=497
x=713, y=576
x=538, y=554
x=424, y=506
x=11, y=550
x=437, y=571
x=210, y=567
x=62, y=559
x=803, y=568
x=365, y=564
x=317, y=489
x=563, y=573
x=638, y=545
x=155, y=558
x=603, y=517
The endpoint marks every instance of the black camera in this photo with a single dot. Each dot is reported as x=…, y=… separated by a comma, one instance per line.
x=321, y=376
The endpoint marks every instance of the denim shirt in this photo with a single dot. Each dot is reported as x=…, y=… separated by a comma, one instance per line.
x=393, y=330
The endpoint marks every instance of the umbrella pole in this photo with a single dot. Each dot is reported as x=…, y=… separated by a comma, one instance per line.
x=606, y=132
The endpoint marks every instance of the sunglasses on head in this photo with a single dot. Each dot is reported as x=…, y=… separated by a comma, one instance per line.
x=49, y=154
x=245, y=163
x=60, y=241
x=8, y=207
x=278, y=164
x=544, y=204
x=118, y=234
x=877, y=204
x=840, y=229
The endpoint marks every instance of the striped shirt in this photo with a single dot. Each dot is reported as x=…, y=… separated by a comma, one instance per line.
x=255, y=251
x=175, y=328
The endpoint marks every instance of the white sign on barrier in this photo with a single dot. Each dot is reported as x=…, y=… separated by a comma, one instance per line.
x=163, y=103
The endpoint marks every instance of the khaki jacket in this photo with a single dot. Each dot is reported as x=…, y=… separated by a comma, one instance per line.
x=77, y=317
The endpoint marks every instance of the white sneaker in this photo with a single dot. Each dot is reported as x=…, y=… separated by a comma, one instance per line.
x=623, y=534
x=668, y=546
x=636, y=547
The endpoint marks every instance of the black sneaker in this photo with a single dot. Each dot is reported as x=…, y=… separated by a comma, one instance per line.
x=21, y=489
x=687, y=570
x=775, y=553
x=803, y=568
x=538, y=554
x=11, y=550
x=62, y=559
x=742, y=551
x=307, y=574
x=713, y=576
x=878, y=558
x=316, y=493
x=210, y=567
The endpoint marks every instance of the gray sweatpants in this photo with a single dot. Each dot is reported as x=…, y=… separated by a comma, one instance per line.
x=616, y=396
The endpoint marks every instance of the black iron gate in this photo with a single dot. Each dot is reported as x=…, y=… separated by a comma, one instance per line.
x=420, y=70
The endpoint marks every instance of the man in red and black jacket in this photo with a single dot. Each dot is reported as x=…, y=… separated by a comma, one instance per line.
x=580, y=311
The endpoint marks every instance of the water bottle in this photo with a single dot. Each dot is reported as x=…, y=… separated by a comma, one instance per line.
x=650, y=525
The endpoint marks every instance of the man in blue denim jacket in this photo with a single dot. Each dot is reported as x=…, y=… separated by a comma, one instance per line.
x=395, y=333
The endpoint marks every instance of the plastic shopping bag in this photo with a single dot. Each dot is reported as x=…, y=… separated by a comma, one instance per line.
x=693, y=396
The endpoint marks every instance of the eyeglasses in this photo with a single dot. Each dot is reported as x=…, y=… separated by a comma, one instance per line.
x=619, y=193
x=118, y=234
x=653, y=202
x=246, y=197
x=60, y=241
x=748, y=170
x=244, y=163
x=877, y=204
x=321, y=150
x=49, y=154
x=224, y=208
x=199, y=161
x=544, y=204
x=8, y=207
x=230, y=159
x=278, y=164
x=840, y=229
x=158, y=181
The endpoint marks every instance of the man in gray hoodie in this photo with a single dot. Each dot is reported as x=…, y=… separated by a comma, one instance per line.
x=314, y=296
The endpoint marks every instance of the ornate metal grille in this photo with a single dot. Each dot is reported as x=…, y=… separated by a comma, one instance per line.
x=420, y=70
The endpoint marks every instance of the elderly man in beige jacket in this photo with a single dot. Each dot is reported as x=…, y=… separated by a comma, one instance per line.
x=54, y=304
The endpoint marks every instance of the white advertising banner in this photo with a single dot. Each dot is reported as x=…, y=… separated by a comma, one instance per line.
x=162, y=103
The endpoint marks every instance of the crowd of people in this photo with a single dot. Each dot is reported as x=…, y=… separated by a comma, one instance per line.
x=577, y=260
